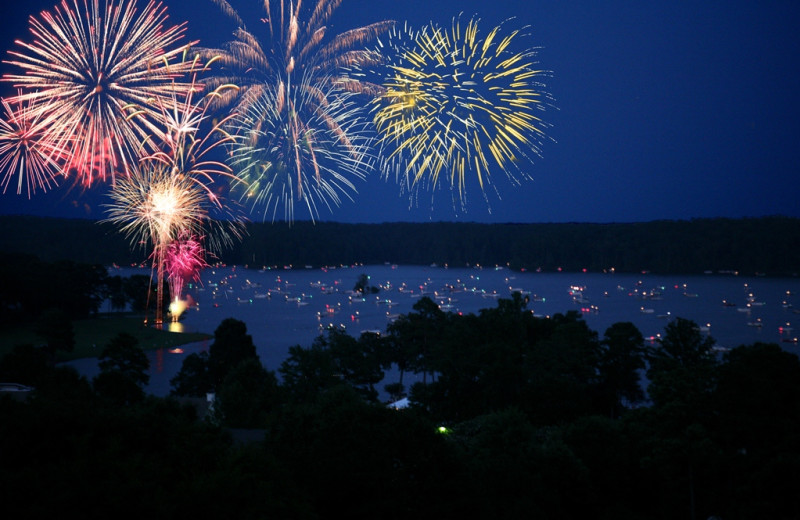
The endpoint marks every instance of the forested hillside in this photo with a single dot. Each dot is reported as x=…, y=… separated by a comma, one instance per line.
x=769, y=245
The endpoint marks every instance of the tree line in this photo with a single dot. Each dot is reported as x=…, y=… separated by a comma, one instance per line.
x=31, y=287
x=516, y=416
x=769, y=245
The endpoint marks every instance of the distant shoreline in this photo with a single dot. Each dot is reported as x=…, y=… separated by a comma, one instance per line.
x=767, y=246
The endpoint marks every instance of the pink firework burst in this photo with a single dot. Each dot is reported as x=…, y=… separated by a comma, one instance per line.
x=184, y=259
x=29, y=152
x=99, y=65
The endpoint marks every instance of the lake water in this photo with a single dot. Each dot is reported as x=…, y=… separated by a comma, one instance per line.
x=286, y=307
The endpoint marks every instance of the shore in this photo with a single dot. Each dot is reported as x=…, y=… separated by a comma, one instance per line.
x=92, y=334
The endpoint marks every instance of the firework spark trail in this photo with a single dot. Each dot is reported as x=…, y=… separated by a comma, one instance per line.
x=97, y=65
x=298, y=64
x=28, y=151
x=455, y=104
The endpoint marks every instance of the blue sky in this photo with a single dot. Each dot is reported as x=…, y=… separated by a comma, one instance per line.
x=663, y=110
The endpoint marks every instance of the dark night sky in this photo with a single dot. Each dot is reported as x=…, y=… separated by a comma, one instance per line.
x=664, y=110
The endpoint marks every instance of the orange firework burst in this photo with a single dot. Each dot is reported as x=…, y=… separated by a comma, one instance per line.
x=97, y=64
x=153, y=206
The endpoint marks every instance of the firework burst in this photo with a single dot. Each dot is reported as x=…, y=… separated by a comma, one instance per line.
x=296, y=43
x=456, y=106
x=183, y=261
x=171, y=193
x=299, y=143
x=187, y=136
x=99, y=65
x=154, y=207
x=295, y=105
x=28, y=150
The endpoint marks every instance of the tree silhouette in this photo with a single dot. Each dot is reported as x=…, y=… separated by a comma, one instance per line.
x=232, y=345
x=681, y=367
x=620, y=360
x=193, y=379
x=247, y=395
x=55, y=326
x=123, y=371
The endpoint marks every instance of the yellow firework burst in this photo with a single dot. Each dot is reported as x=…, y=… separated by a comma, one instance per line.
x=456, y=104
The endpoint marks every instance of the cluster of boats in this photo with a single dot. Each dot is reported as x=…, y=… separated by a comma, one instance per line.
x=329, y=295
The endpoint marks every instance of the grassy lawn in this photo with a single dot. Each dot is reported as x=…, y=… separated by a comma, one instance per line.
x=93, y=334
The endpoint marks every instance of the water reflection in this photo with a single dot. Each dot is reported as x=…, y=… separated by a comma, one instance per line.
x=175, y=326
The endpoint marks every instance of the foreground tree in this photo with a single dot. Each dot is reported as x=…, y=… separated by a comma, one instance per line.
x=334, y=358
x=355, y=459
x=26, y=365
x=232, y=345
x=55, y=327
x=247, y=396
x=205, y=372
x=757, y=402
x=621, y=357
x=681, y=367
x=676, y=431
x=193, y=379
x=414, y=336
x=123, y=370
